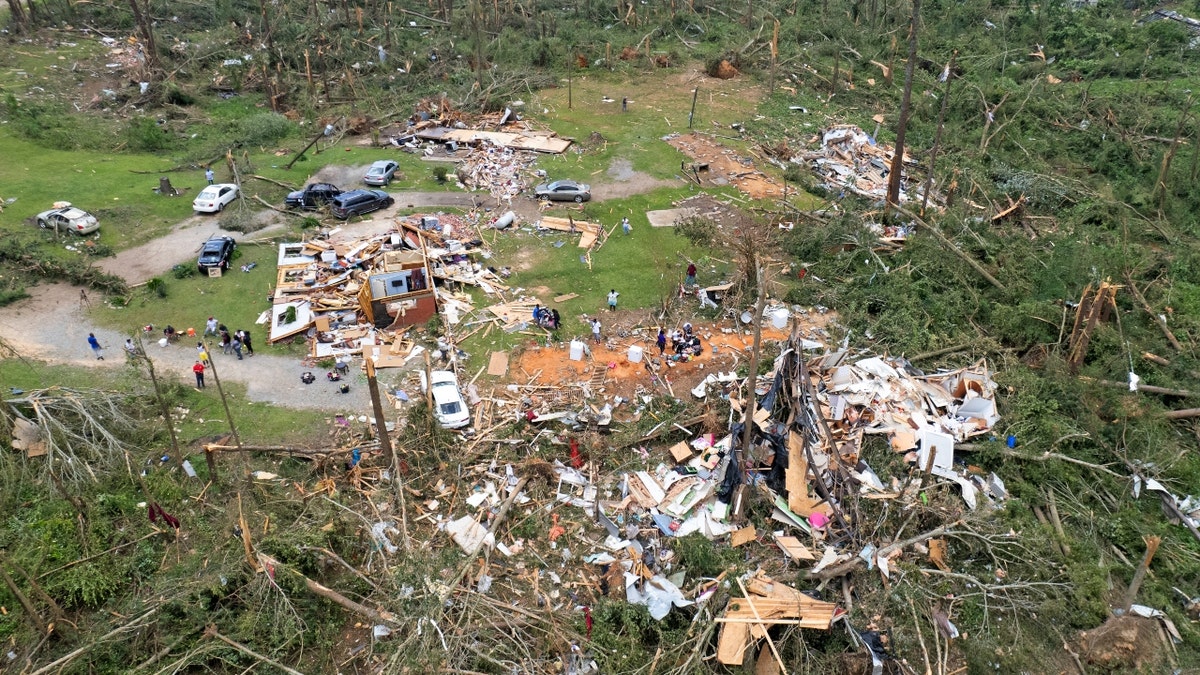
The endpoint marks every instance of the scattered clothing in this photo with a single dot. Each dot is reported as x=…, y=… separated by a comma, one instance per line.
x=198, y=369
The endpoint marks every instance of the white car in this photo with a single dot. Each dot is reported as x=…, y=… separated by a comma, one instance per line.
x=214, y=198
x=449, y=407
x=66, y=218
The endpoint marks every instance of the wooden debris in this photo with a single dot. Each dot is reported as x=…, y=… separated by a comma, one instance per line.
x=767, y=603
x=498, y=364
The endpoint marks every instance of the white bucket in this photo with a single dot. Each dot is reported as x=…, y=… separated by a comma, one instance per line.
x=576, y=350
x=635, y=354
x=779, y=318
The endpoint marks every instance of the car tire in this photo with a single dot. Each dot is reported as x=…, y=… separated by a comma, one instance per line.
x=43, y=224
x=220, y=208
x=578, y=199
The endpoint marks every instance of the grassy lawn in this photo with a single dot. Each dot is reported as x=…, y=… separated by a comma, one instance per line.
x=644, y=267
x=659, y=105
x=258, y=423
x=236, y=299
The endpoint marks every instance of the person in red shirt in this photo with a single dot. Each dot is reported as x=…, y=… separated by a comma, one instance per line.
x=198, y=369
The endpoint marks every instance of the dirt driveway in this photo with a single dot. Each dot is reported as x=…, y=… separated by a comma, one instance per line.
x=52, y=325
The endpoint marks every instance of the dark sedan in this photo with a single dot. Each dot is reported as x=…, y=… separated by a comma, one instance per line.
x=313, y=196
x=216, y=252
x=358, y=202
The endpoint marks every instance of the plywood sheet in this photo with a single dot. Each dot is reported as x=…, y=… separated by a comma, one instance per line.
x=498, y=364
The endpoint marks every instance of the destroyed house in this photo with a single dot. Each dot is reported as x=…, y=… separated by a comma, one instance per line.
x=399, y=291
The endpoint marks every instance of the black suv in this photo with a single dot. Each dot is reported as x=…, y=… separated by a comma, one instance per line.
x=312, y=197
x=216, y=252
x=358, y=202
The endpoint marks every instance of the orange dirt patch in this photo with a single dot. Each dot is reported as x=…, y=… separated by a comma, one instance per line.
x=553, y=366
x=726, y=164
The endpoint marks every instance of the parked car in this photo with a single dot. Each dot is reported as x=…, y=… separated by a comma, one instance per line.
x=216, y=252
x=381, y=172
x=564, y=191
x=312, y=197
x=213, y=198
x=358, y=202
x=449, y=407
x=66, y=217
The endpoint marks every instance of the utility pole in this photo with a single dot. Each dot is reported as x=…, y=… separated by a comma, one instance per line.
x=385, y=441
x=164, y=409
x=751, y=395
x=237, y=440
x=695, y=93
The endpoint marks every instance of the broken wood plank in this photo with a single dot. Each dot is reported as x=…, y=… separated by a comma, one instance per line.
x=743, y=536
x=498, y=364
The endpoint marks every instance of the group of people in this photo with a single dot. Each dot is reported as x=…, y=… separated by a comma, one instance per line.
x=546, y=318
x=238, y=342
x=683, y=342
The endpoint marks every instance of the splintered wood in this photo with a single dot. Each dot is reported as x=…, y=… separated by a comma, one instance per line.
x=591, y=231
x=768, y=603
x=1094, y=307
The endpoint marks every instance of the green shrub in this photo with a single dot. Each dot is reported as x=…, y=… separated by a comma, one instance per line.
x=439, y=174
x=182, y=271
x=144, y=134
x=263, y=128
x=157, y=286
x=699, y=231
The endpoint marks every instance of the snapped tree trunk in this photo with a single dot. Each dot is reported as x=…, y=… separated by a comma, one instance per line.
x=893, y=191
x=16, y=13
x=142, y=19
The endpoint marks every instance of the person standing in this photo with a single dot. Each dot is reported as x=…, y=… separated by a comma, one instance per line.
x=95, y=345
x=208, y=174
x=612, y=300
x=596, y=330
x=661, y=341
x=198, y=369
x=210, y=328
x=237, y=347
x=625, y=226
x=202, y=353
x=244, y=336
x=691, y=275
x=226, y=341
x=624, y=104
x=130, y=348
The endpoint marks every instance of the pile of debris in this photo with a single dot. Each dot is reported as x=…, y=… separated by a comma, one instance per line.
x=850, y=159
x=808, y=423
x=498, y=170
x=358, y=296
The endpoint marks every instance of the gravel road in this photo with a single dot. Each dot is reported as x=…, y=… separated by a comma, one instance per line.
x=52, y=326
